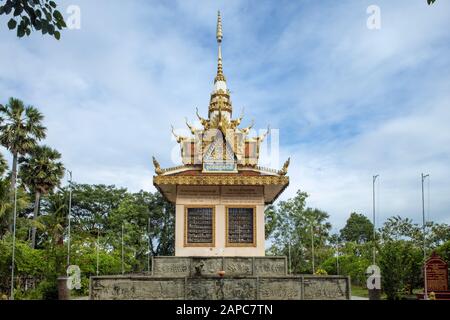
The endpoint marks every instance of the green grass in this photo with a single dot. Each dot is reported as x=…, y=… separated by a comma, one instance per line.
x=363, y=292
x=359, y=291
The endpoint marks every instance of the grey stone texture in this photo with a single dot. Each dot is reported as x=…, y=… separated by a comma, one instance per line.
x=196, y=278
x=210, y=266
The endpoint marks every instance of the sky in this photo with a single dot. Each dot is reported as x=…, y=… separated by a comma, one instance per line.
x=349, y=102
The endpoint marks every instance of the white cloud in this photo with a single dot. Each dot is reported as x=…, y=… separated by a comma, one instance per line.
x=349, y=102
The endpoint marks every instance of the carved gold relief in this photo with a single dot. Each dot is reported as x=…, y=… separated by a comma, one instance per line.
x=221, y=180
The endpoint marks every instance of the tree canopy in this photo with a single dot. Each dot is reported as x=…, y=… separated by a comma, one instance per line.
x=358, y=228
x=26, y=15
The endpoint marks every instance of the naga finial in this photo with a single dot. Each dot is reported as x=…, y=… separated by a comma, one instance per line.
x=264, y=135
x=191, y=128
x=177, y=137
x=204, y=122
x=158, y=169
x=247, y=130
x=237, y=122
x=284, y=170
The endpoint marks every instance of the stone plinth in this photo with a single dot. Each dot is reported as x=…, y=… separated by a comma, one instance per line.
x=216, y=288
x=196, y=278
x=210, y=266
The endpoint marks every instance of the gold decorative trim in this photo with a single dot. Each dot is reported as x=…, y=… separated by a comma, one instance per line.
x=210, y=244
x=221, y=180
x=228, y=244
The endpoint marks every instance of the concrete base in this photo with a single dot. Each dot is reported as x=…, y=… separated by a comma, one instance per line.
x=241, y=278
x=217, y=288
x=375, y=294
x=63, y=291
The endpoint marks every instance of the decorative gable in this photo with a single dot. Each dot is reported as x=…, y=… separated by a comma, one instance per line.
x=219, y=156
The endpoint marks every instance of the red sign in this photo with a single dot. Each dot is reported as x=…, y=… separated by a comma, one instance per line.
x=437, y=274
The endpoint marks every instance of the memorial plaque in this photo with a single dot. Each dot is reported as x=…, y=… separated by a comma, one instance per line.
x=199, y=226
x=437, y=274
x=242, y=194
x=324, y=288
x=240, y=288
x=205, y=266
x=238, y=266
x=198, y=195
x=274, y=266
x=136, y=288
x=280, y=288
x=171, y=266
x=240, y=226
x=203, y=289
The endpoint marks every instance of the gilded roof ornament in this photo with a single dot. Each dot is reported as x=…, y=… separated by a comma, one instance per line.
x=191, y=128
x=264, y=135
x=177, y=137
x=219, y=35
x=235, y=123
x=158, y=169
x=204, y=122
x=284, y=170
x=247, y=130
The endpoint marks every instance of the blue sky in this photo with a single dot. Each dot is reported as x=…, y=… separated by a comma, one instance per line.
x=349, y=102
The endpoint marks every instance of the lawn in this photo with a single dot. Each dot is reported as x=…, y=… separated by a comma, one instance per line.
x=363, y=292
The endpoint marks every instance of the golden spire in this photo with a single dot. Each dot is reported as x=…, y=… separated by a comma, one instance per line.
x=219, y=35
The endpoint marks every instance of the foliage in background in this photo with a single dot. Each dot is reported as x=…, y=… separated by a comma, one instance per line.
x=294, y=231
x=40, y=15
x=20, y=129
x=400, y=263
x=40, y=172
x=358, y=229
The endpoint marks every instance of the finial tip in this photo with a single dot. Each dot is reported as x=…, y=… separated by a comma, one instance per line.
x=219, y=27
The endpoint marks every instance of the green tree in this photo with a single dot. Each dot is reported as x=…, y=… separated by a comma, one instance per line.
x=149, y=224
x=4, y=194
x=444, y=251
x=297, y=229
x=270, y=217
x=20, y=129
x=357, y=228
x=400, y=263
x=397, y=228
x=40, y=15
x=91, y=207
x=40, y=171
x=3, y=165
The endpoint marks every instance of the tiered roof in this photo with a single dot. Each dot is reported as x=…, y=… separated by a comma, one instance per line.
x=220, y=153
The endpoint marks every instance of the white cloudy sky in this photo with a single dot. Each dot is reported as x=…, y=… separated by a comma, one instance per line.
x=349, y=102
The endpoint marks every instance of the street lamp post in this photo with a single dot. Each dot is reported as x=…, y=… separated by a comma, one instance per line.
x=337, y=258
x=98, y=248
x=149, y=245
x=289, y=253
x=424, y=240
x=312, y=250
x=373, y=217
x=69, y=217
x=14, y=241
x=123, y=269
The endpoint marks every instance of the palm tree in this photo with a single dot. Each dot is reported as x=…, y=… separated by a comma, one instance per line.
x=40, y=172
x=3, y=165
x=20, y=129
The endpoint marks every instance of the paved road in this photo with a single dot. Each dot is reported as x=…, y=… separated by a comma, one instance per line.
x=359, y=298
